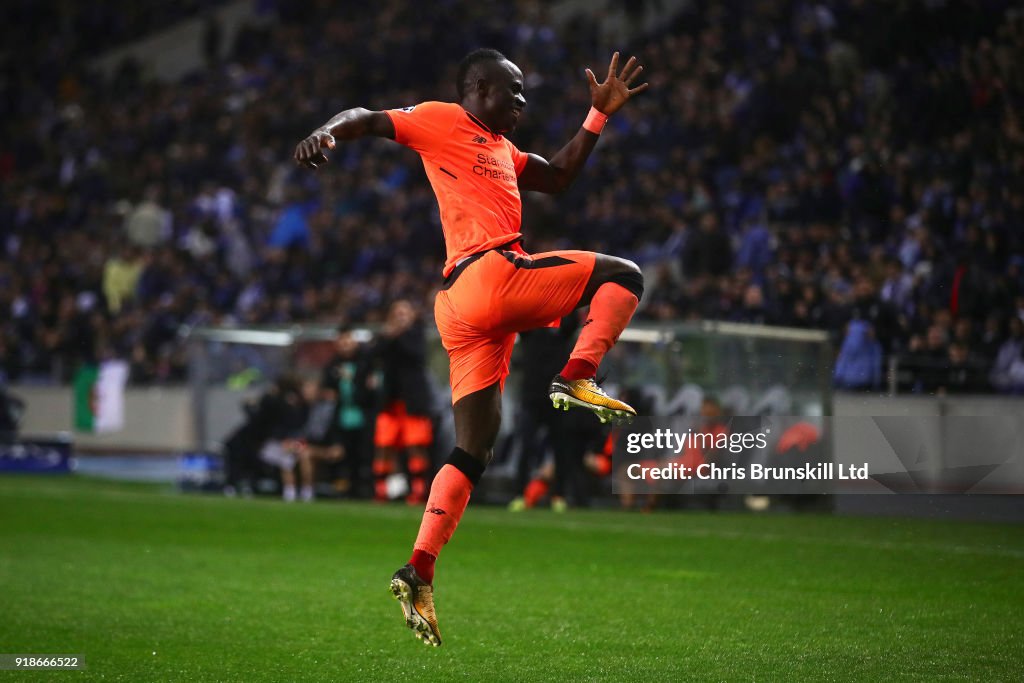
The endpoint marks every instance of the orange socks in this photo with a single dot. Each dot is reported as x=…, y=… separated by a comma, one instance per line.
x=610, y=311
x=382, y=469
x=419, y=465
x=449, y=495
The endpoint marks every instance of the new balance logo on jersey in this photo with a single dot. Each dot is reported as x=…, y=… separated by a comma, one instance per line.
x=480, y=140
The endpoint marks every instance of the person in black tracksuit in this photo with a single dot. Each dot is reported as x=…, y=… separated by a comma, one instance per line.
x=542, y=354
x=348, y=380
x=404, y=422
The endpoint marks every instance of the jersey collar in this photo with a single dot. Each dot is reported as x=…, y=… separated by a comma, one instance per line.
x=481, y=124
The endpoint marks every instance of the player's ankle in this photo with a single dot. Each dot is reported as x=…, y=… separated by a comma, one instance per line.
x=423, y=563
x=578, y=368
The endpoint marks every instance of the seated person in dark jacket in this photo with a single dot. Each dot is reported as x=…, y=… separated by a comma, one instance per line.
x=273, y=417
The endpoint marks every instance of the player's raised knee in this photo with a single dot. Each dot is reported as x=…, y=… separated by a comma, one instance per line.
x=630, y=277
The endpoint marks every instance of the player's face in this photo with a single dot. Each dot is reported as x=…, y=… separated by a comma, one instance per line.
x=505, y=99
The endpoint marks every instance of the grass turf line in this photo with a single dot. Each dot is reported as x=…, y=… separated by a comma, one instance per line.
x=151, y=585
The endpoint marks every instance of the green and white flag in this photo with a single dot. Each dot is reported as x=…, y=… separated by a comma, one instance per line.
x=99, y=397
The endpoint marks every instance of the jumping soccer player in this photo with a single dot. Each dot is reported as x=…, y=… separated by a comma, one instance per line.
x=492, y=288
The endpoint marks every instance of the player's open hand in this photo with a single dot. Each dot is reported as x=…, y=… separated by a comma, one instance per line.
x=310, y=152
x=608, y=97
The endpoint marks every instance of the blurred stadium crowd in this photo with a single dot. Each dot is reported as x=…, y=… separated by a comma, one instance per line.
x=849, y=165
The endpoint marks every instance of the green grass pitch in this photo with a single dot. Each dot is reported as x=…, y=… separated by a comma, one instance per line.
x=150, y=585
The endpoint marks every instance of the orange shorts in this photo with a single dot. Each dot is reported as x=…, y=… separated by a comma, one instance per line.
x=397, y=429
x=502, y=293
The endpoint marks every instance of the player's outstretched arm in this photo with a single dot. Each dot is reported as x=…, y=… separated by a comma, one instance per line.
x=347, y=125
x=556, y=174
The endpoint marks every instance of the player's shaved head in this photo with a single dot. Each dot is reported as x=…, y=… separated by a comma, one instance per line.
x=474, y=66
